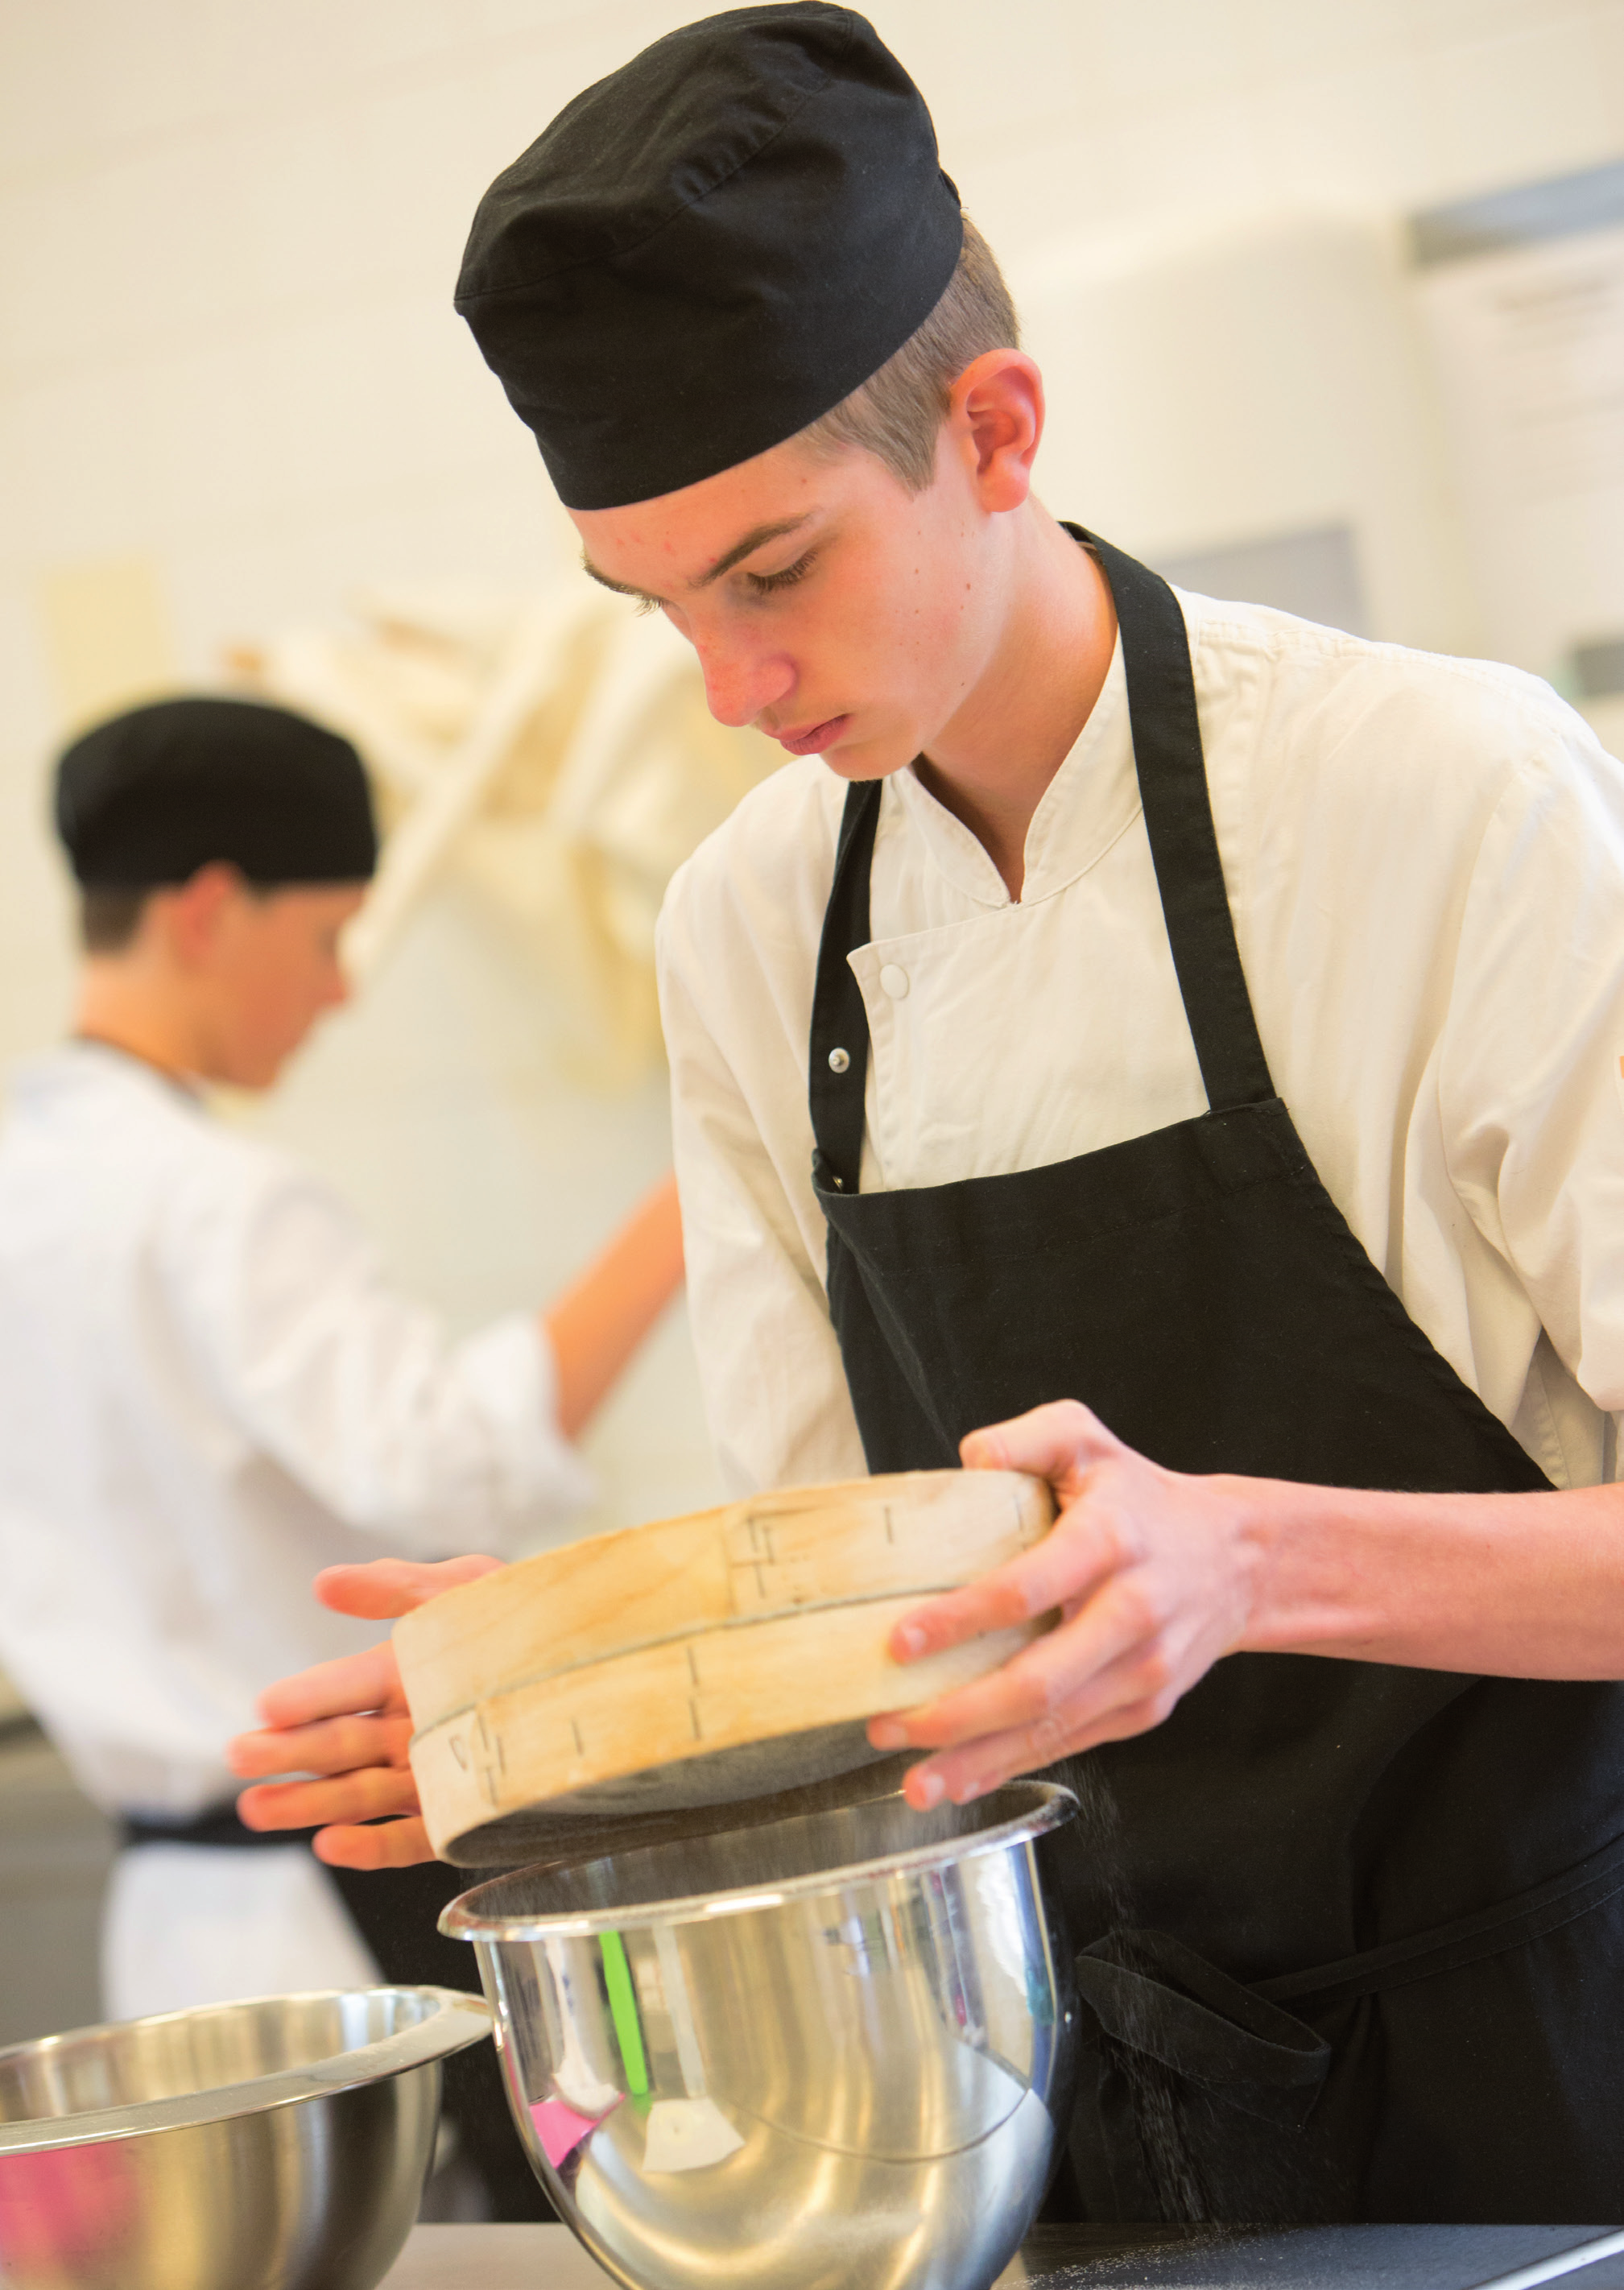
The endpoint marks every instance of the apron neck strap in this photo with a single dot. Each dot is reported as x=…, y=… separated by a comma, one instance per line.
x=839, y=1063
x=1172, y=786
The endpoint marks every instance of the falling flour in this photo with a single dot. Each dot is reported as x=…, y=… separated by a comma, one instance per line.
x=1178, y=2182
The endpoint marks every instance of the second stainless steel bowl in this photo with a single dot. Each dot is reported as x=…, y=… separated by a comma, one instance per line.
x=834, y=2049
x=275, y=2145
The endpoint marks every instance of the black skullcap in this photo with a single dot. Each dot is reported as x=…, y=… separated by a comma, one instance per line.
x=709, y=249
x=150, y=797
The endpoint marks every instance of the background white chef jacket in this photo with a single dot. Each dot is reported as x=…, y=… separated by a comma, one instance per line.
x=1425, y=861
x=208, y=1392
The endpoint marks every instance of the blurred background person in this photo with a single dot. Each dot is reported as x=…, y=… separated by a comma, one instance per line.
x=208, y=1388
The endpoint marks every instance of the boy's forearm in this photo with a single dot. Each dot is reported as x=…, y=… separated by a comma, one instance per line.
x=1509, y=1585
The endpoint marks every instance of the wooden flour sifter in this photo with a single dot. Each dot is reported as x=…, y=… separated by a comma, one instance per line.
x=733, y=1654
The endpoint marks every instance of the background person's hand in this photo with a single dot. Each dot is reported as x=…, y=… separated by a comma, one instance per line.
x=346, y=1723
x=1154, y=1573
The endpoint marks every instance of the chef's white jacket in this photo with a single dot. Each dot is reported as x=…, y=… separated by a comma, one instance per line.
x=208, y=1392
x=1425, y=862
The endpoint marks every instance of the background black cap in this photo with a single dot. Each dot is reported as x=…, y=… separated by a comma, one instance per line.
x=150, y=797
x=709, y=249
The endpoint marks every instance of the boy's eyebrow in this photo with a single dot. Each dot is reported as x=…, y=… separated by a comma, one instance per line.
x=752, y=540
x=619, y=587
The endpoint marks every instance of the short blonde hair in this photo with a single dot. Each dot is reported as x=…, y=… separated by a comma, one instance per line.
x=897, y=413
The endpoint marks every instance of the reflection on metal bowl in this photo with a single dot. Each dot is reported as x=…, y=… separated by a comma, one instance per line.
x=835, y=2048
x=275, y=2145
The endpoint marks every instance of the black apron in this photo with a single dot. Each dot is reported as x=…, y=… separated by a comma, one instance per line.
x=1426, y=1869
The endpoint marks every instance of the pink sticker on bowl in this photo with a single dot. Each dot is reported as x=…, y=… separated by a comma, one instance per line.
x=560, y=2129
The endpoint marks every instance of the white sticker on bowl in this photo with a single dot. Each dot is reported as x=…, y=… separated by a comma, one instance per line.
x=688, y=2134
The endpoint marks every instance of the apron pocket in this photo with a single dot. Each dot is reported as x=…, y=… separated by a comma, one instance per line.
x=1471, y=2076
x=1153, y=1995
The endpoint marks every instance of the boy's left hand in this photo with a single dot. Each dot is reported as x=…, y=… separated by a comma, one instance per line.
x=345, y=1724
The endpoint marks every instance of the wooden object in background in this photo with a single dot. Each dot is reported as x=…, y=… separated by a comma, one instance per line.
x=731, y=1654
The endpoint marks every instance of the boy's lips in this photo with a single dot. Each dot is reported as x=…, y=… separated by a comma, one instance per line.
x=813, y=738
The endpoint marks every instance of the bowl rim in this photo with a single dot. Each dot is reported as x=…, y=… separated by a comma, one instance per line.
x=1051, y=1804
x=456, y=2020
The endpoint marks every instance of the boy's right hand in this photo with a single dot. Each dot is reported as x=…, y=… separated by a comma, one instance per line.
x=346, y=1723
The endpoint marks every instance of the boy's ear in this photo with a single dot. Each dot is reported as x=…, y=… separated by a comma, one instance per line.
x=995, y=411
x=190, y=915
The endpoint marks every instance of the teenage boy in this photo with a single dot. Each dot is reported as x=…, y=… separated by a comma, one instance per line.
x=1181, y=1038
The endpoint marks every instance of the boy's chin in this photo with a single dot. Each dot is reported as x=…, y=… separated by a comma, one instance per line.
x=858, y=760
x=252, y=1072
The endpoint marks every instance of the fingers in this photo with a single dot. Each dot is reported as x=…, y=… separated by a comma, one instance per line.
x=1125, y=1698
x=387, y=1588
x=370, y=1793
x=332, y=1745
x=1071, y=1560
x=1053, y=1442
x=370, y=1680
x=344, y=1723
x=1069, y=1668
x=386, y=1845
x=962, y=1775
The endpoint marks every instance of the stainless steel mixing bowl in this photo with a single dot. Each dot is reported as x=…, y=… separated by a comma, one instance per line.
x=833, y=2049
x=275, y=2145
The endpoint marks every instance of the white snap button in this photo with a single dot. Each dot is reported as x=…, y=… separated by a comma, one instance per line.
x=894, y=979
x=839, y=1060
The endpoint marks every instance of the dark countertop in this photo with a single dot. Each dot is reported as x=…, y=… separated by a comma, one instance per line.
x=1096, y=2258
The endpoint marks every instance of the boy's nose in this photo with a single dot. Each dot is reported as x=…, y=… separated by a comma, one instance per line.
x=737, y=687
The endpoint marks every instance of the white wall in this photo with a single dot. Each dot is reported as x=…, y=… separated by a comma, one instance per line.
x=228, y=231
